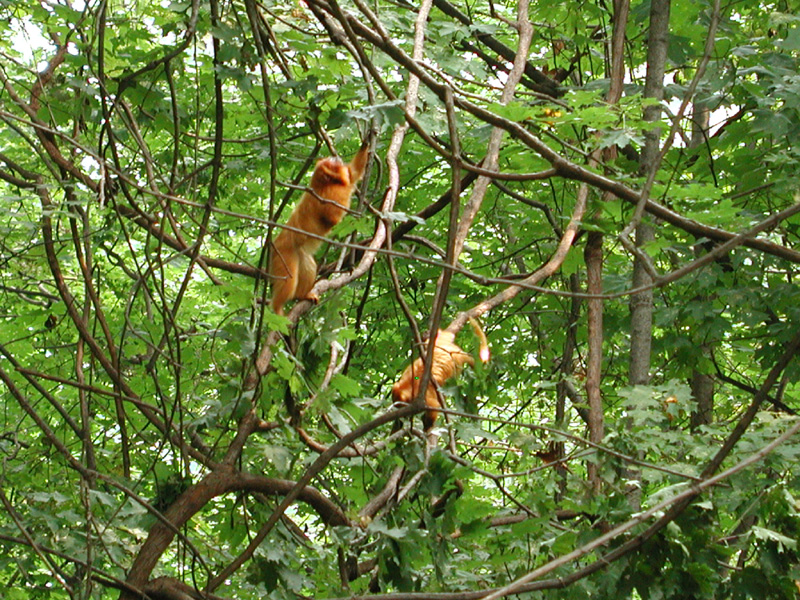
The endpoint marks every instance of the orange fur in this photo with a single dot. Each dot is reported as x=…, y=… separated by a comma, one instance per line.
x=448, y=360
x=292, y=265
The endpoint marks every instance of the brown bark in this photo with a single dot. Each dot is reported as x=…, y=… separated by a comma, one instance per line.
x=701, y=383
x=593, y=256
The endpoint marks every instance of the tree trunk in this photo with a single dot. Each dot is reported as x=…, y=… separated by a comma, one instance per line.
x=593, y=256
x=641, y=304
x=702, y=384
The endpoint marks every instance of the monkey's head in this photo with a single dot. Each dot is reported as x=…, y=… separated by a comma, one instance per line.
x=401, y=393
x=330, y=171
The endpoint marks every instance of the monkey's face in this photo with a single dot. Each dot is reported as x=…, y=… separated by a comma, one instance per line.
x=401, y=393
x=330, y=171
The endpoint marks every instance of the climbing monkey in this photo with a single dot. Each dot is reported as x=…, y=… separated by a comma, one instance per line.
x=447, y=361
x=292, y=265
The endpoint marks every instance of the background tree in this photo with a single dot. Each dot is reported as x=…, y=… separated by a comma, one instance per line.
x=609, y=187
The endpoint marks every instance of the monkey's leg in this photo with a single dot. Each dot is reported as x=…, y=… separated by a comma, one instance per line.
x=432, y=401
x=283, y=268
x=306, y=276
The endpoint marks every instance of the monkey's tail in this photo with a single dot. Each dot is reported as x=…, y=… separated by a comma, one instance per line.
x=484, y=343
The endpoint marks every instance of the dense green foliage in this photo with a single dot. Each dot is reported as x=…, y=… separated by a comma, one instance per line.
x=147, y=149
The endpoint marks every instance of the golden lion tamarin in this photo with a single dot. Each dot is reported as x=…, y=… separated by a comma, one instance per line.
x=448, y=360
x=292, y=265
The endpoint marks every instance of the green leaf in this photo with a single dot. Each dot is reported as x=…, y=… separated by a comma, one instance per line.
x=514, y=111
x=346, y=386
x=784, y=542
x=396, y=533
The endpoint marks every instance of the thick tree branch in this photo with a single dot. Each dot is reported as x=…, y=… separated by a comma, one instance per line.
x=195, y=498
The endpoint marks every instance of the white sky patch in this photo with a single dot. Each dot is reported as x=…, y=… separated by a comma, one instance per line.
x=531, y=360
x=30, y=41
